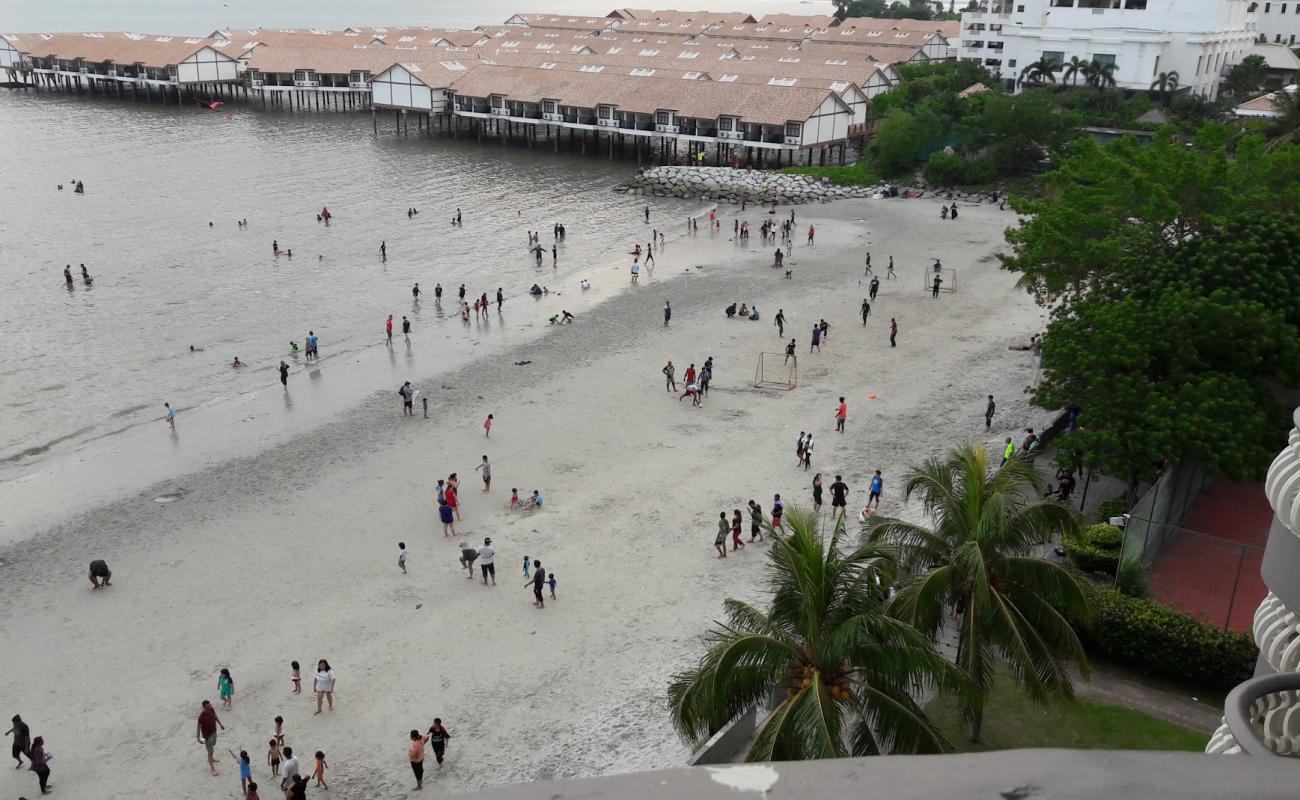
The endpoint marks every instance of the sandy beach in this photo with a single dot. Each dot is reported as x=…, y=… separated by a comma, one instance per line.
x=291, y=553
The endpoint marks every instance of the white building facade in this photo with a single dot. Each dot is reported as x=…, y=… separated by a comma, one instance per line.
x=1198, y=39
x=1279, y=23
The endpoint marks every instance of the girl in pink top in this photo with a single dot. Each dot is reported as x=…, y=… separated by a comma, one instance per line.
x=487, y=426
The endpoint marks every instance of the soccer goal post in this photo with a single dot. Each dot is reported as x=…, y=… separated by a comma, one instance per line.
x=776, y=371
x=947, y=276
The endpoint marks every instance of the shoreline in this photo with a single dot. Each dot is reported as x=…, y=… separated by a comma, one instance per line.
x=289, y=553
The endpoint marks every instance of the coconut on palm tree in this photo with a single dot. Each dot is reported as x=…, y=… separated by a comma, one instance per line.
x=977, y=564
x=840, y=672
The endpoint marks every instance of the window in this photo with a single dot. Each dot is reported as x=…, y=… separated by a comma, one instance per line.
x=691, y=76
x=1102, y=58
x=613, y=51
x=663, y=118
x=1012, y=63
x=550, y=106
x=726, y=123
x=793, y=129
x=591, y=68
x=642, y=72
x=1135, y=5
x=688, y=54
x=648, y=53
x=605, y=112
x=497, y=101
x=728, y=78
x=837, y=62
x=781, y=81
x=1055, y=56
x=1267, y=6
x=1199, y=59
x=839, y=86
x=548, y=65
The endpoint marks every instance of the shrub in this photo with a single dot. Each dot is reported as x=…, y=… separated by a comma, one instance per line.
x=1112, y=508
x=1132, y=579
x=1166, y=642
x=944, y=169
x=1096, y=548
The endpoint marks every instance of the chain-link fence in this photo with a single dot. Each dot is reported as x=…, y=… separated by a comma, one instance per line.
x=1209, y=577
x=1158, y=513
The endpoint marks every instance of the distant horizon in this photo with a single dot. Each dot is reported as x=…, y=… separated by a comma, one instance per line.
x=201, y=18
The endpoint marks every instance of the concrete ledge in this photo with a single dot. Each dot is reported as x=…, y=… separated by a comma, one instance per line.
x=727, y=743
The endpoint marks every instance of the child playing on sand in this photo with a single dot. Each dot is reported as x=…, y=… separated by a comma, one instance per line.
x=527, y=563
x=226, y=688
x=425, y=402
x=245, y=768
x=514, y=499
x=550, y=581
x=251, y=792
x=401, y=556
x=273, y=757
x=487, y=426
x=278, y=731
x=297, y=677
x=321, y=766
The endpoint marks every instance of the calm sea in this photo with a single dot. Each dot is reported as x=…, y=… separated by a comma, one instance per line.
x=86, y=364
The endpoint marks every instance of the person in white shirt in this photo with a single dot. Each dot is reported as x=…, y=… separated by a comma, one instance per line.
x=323, y=684
x=289, y=769
x=487, y=561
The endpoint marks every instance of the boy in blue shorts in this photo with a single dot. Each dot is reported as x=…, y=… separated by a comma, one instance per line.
x=877, y=484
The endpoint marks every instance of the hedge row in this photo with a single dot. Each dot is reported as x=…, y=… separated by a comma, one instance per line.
x=1167, y=642
x=1096, y=548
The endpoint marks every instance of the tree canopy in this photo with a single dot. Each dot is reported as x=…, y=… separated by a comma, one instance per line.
x=1173, y=271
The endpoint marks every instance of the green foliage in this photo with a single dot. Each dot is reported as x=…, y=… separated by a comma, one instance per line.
x=901, y=140
x=979, y=559
x=859, y=173
x=1178, y=274
x=1245, y=78
x=944, y=169
x=1111, y=508
x=843, y=671
x=1165, y=642
x=1132, y=579
x=1023, y=131
x=1096, y=548
x=884, y=9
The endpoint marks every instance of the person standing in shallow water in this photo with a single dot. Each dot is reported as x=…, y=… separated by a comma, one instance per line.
x=284, y=375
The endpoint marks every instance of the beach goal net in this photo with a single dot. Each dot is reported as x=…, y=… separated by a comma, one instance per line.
x=948, y=276
x=776, y=371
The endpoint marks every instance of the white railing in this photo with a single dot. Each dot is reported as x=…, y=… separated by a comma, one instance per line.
x=258, y=83
x=1262, y=717
x=306, y=84
x=1282, y=484
x=84, y=70
x=112, y=73
x=1277, y=631
x=667, y=128
x=552, y=116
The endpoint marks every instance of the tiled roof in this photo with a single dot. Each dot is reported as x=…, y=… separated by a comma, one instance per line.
x=117, y=47
x=334, y=60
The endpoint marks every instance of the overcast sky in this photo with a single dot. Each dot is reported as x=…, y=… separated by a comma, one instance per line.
x=197, y=17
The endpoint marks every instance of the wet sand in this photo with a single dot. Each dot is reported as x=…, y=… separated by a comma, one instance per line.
x=291, y=553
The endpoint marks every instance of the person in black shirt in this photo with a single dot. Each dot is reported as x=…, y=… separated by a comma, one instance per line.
x=789, y=353
x=839, y=496
x=538, y=581
x=438, y=737
x=755, y=521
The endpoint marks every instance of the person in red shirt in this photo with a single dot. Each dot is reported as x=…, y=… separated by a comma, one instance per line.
x=840, y=415
x=452, y=500
x=810, y=234
x=206, y=732
x=388, y=326
x=690, y=374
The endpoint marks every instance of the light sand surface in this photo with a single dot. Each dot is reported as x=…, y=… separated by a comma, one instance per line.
x=291, y=553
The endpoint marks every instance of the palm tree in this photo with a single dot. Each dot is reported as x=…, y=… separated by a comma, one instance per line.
x=1165, y=84
x=1073, y=70
x=1103, y=75
x=978, y=562
x=1285, y=127
x=1039, y=72
x=840, y=671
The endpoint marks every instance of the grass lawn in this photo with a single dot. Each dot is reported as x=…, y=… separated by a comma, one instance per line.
x=1012, y=721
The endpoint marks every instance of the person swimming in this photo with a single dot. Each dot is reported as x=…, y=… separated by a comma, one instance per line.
x=67, y=274
x=194, y=349
x=85, y=276
x=293, y=347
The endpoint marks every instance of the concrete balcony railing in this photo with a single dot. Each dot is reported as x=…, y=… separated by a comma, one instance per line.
x=1261, y=717
x=1277, y=632
x=1282, y=485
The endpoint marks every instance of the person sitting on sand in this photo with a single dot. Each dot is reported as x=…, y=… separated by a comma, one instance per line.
x=731, y=311
x=194, y=349
x=532, y=503
x=744, y=310
x=753, y=313
x=514, y=499
x=535, y=291
x=237, y=363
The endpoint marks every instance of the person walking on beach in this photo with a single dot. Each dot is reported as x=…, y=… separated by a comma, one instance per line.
x=415, y=292
x=778, y=508
x=408, y=399
x=487, y=561
x=438, y=737
x=468, y=556
x=816, y=338
x=839, y=497
x=647, y=215
x=877, y=487
x=807, y=452
x=706, y=376
x=406, y=329
x=636, y=269
x=284, y=375
x=780, y=322
x=874, y=287
x=415, y=752
x=452, y=494
x=798, y=447
x=226, y=688
x=934, y=290
x=720, y=541
x=868, y=269
x=447, y=516
x=323, y=684
x=383, y=250
x=817, y=492
x=789, y=353
x=171, y=415
x=486, y=468
x=889, y=273
x=988, y=414
x=245, y=768
x=810, y=234
x=668, y=313
x=401, y=557
x=40, y=764
x=893, y=331
x=736, y=522
x=289, y=769
x=841, y=414
x=22, y=740
x=206, y=732
x=755, y=521
x=501, y=298
x=866, y=312
x=388, y=329
x=670, y=384
x=538, y=581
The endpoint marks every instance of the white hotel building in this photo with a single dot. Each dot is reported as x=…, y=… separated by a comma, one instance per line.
x=1279, y=23
x=1198, y=39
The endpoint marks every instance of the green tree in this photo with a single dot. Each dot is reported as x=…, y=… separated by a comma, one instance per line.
x=1025, y=131
x=899, y=143
x=840, y=670
x=1101, y=75
x=1040, y=72
x=1073, y=70
x=978, y=561
x=1245, y=78
x=1165, y=84
x=1285, y=127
